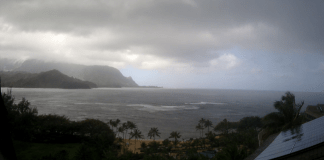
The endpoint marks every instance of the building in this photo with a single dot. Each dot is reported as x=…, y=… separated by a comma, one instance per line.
x=303, y=142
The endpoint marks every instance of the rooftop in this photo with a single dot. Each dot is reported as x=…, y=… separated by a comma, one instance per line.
x=296, y=141
x=315, y=111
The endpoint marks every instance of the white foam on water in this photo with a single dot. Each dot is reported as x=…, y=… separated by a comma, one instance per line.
x=204, y=103
x=154, y=108
x=109, y=109
x=101, y=103
x=81, y=103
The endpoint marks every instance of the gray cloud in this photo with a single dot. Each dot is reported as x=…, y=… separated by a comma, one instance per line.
x=184, y=32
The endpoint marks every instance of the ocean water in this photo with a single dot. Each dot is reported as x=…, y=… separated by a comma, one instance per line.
x=168, y=109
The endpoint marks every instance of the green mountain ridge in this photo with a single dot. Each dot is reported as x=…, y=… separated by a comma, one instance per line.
x=49, y=79
x=102, y=76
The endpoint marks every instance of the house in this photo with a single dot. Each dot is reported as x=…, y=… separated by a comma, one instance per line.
x=303, y=142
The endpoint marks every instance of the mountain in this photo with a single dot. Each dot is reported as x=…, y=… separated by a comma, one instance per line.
x=49, y=79
x=9, y=64
x=102, y=76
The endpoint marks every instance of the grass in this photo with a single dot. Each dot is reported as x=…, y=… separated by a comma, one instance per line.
x=33, y=151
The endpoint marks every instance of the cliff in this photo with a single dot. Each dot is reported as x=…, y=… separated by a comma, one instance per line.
x=49, y=79
x=102, y=76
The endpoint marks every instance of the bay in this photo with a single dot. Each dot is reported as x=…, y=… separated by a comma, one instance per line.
x=168, y=109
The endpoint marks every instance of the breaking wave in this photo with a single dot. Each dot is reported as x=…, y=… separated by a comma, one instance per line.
x=148, y=107
x=203, y=103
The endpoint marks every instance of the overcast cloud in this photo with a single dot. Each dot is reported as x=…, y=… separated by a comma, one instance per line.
x=184, y=43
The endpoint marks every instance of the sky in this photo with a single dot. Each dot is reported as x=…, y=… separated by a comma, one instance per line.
x=221, y=44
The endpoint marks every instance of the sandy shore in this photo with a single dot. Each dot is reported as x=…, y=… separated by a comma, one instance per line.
x=136, y=148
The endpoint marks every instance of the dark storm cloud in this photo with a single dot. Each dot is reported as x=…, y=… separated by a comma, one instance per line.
x=185, y=31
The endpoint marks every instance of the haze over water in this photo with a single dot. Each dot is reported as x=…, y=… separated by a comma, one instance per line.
x=168, y=109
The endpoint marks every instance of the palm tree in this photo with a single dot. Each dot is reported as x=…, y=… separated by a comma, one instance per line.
x=121, y=129
x=153, y=132
x=208, y=124
x=125, y=126
x=111, y=123
x=136, y=134
x=199, y=128
x=202, y=123
x=117, y=124
x=131, y=126
x=288, y=114
x=114, y=124
x=175, y=135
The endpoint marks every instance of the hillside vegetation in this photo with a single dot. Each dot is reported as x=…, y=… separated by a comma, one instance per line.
x=49, y=79
x=102, y=76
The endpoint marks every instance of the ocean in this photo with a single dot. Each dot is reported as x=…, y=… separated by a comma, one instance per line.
x=167, y=109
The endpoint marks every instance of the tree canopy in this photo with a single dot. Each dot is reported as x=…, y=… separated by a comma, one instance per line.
x=287, y=115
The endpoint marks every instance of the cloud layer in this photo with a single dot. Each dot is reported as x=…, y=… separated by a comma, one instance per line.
x=168, y=36
x=155, y=34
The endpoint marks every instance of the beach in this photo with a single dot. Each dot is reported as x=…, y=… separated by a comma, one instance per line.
x=135, y=147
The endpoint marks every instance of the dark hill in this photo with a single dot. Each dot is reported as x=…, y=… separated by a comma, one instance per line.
x=102, y=76
x=49, y=79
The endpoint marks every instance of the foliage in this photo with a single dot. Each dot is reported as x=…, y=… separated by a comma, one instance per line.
x=53, y=123
x=49, y=79
x=166, y=142
x=102, y=142
x=287, y=115
x=208, y=124
x=114, y=124
x=246, y=138
x=121, y=129
x=225, y=125
x=143, y=145
x=109, y=155
x=84, y=153
x=136, y=134
x=93, y=127
x=155, y=157
x=232, y=152
x=25, y=119
x=130, y=156
x=200, y=128
x=213, y=142
x=253, y=122
x=153, y=132
x=129, y=125
x=31, y=151
x=61, y=155
x=55, y=128
x=175, y=135
x=21, y=117
x=154, y=146
x=125, y=128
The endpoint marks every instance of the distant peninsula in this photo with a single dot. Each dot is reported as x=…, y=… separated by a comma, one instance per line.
x=49, y=79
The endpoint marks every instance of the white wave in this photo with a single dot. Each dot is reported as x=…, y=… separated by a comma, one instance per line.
x=192, y=107
x=101, y=103
x=82, y=103
x=152, y=108
x=95, y=104
x=204, y=103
